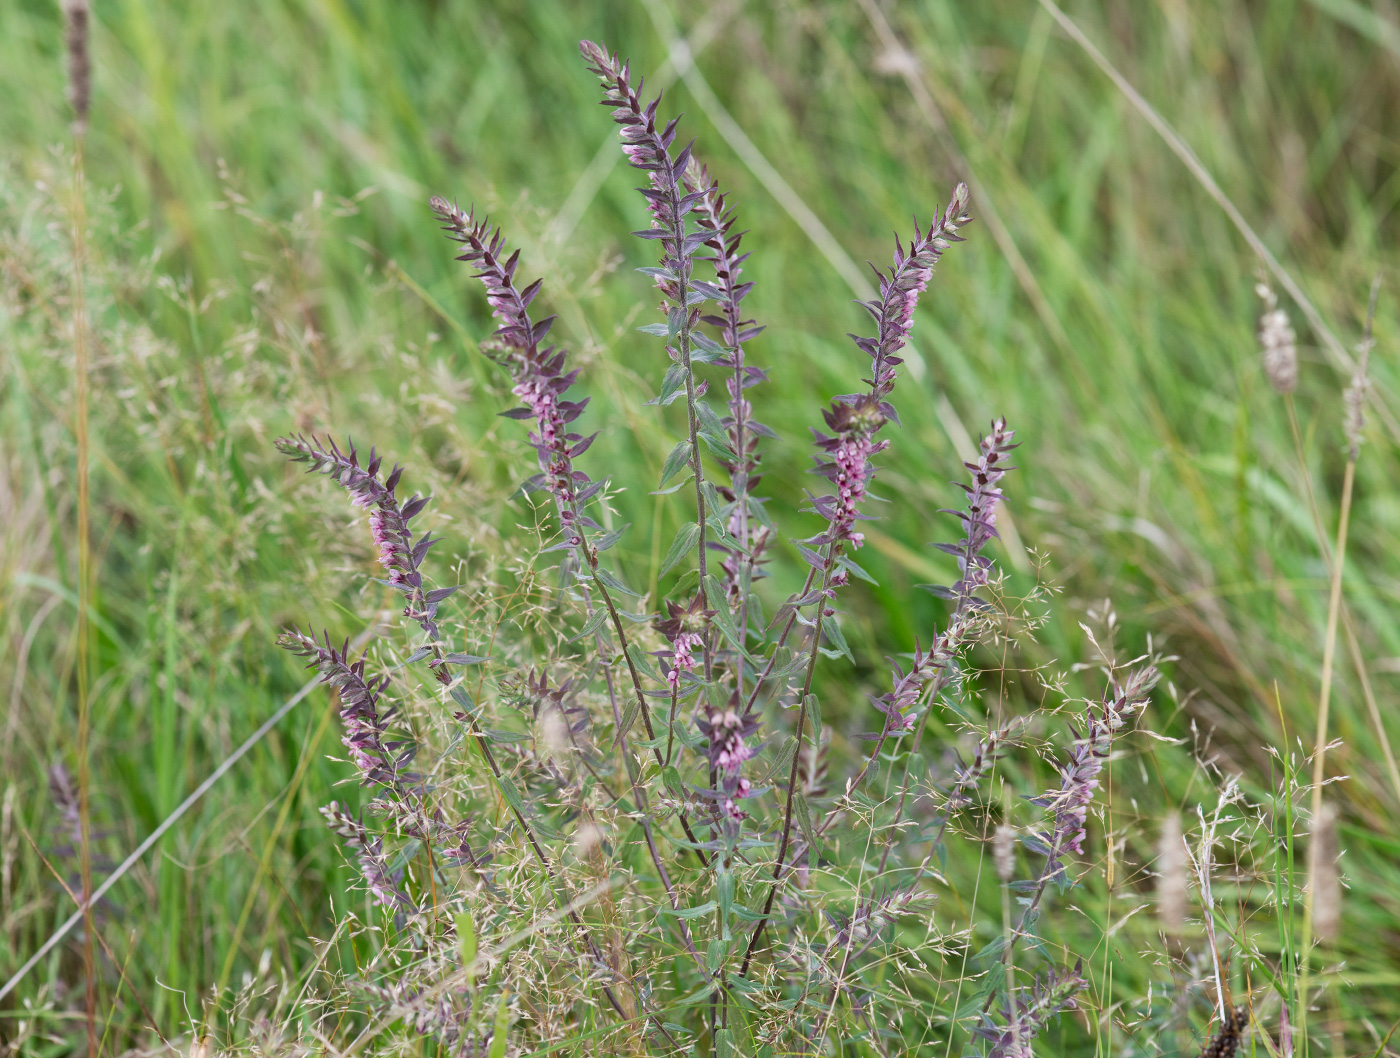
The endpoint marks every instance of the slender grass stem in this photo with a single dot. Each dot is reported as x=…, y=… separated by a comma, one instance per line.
x=1329, y=653
x=84, y=515
x=1358, y=660
x=830, y=566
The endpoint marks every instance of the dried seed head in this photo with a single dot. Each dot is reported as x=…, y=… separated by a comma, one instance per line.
x=896, y=62
x=1172, y=898
x=1323, y=879
x=1004, y=852
x=1227, y=1041
x=76, y=14
x=1278, y=342
x=1354, y=398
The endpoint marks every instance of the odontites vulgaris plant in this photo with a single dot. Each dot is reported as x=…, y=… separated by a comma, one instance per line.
x=634, y=820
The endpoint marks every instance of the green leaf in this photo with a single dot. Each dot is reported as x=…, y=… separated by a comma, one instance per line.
x=708, y=418
x=723, y=619
x=814, y=713
x=724, y=1043
x=713, y=503
x=602, y=543
x=677, y=459
x=845, y=562
x=804, y=820
x=680, y=546
x=671, y=779
x=506, y=736
x=832, y=627
x=465, y=659
x=634, y=706
x=461, y=697
x=691, y=912
x=466, y=941
x=511, y=794
x=642, y=661
x=674, y=488
x=671, y=386
x=782, y=763
x=607, y=577
x=724, y=891
x=499, y=1031
x=705, y=342
x=594, y=622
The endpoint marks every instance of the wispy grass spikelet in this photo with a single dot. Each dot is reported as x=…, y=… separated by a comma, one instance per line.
x=76, y=15
x=1277, y=342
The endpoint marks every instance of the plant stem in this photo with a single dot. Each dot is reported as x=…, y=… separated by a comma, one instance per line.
x=1329, y=651
x=693, y=418
x=1358, y=662
x=84, y=512
x=829, y=565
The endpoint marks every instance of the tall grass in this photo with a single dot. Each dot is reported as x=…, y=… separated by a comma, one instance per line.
x=257, y=267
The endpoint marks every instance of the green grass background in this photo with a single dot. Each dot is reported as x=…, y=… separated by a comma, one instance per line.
x=263, y=261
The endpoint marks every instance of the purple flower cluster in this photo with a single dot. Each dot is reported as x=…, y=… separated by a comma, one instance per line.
x=899, y=294
x=684, y=628
x=845, y=462
x=649, y=149
x=1029, y=1012
x=938, y=663
x=377, y=760
x=388, y=520
x=539, y=373
x=980, y=517
x=715, y=219
x=935, y=666
x=1079, y=775
x=854, y=418
x=729, y=732
x=383, y=884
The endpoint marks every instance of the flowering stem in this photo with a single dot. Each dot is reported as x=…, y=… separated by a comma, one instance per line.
x=671, y=726
x=683, y=339
x=830, y=565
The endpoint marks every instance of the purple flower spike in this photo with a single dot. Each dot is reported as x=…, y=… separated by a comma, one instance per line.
x=364, y=727
x=849, y=469
x=539, y=373
x=383, y=884
x=937, y=666
x=899, y=294
x=854, y=418
x=388, y=520
x=1079, y=775
x=980, y=517
x=1028, y=1013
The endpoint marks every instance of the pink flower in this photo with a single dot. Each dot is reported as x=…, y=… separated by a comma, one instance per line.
x=681, y=658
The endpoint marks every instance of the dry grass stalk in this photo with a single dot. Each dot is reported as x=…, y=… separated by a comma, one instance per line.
x=1172, y=896
x=1324, y=882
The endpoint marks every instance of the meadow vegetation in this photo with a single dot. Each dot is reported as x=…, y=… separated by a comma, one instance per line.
x=261, y=261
